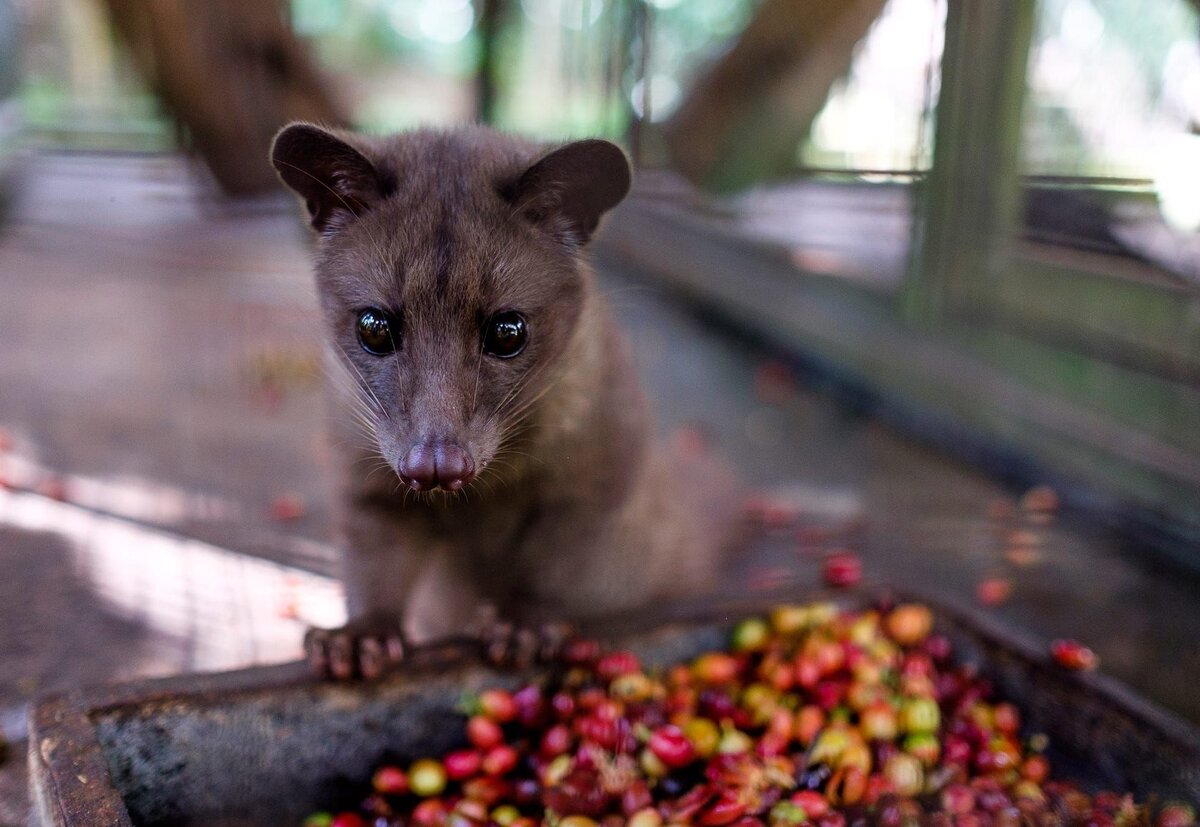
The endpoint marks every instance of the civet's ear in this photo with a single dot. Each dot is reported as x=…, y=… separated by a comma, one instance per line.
x=569, y=190
x=336, y=182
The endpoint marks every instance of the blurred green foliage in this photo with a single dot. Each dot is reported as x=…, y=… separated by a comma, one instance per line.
x=572, y=67
x=563, y=67
x=1148, y=29
x=1098, y=74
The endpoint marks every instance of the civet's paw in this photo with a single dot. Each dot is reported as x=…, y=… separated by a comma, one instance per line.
x=516, y=646
x=364, y=648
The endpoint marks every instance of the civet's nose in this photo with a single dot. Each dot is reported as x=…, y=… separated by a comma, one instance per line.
x=438, y=465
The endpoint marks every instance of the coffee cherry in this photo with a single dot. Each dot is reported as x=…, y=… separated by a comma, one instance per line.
x=994, y=591
x=843, y=569
x=1035, y=768
x=616, y=664
x=483, y=732
x=563, y=705
x=811, y=802
x=909, y=623
x=652, y=765
x=878, y=722
x=786, y=814
x=727, y=809
x=958, y=799
x=808, y=722
x=789, y=619
x=462, y=764
x=905, y=774
x=920, y=715
x=577, y=821
x=631, y=687
x=555, y=741
x=646, y=817
x=499, y=760
x=427, y=778
x=735, y=742
x=715, y=668
x=1071, y=654
x=636, y=797
x=923, y=746
x=390, y=781
x=672, y=747
x=348, y=820
x=430, y=813
x=750, y=635
x=1175, y=814
x=847, y=787
x=1007, y=718
x=491, y=791
x=704, y=735
x=529, y=705
x=505, y=815
x=497, y=705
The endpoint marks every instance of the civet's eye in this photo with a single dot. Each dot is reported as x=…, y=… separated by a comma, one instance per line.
x=378, y=331
x=505, y=334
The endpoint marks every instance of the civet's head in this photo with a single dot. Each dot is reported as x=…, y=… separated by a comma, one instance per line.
x=450, y=278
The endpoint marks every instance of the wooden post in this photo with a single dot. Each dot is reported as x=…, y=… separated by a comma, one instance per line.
x=231, y=73
x=641, y=25
x=969, y=202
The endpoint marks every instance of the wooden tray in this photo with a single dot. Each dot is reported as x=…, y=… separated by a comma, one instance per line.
x=266, y=746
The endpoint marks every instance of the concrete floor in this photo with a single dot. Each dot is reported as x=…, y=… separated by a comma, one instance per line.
x=159, y=368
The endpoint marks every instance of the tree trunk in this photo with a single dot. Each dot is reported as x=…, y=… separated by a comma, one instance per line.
x=744, y=118
x=231, y=73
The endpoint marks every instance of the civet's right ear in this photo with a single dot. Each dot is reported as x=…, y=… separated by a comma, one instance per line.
x=335, y=180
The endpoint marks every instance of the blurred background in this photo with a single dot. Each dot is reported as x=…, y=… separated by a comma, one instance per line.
x=929, y=268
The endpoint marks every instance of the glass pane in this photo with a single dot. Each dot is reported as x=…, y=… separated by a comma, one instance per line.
x=1111, y=83
x=401, y=63
x=1112, y=114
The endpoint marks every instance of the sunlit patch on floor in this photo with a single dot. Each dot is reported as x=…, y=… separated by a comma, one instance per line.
x=132, y=498
x=226, y=610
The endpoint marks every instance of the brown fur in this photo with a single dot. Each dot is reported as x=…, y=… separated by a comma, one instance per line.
x=574, y=513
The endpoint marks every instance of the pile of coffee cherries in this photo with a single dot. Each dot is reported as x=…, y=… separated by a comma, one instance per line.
x=813, y=715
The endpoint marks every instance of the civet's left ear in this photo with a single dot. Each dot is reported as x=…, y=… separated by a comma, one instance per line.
x=569, y=190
